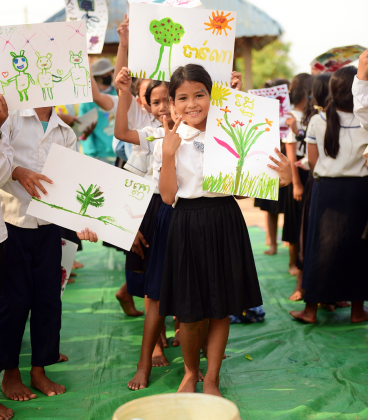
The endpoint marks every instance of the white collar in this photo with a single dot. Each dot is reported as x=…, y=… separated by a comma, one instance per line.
x=187, y=132
x=54, y=119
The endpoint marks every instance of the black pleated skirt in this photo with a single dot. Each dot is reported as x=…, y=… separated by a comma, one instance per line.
x=134, y=261
x=293, y=211
x=335, y=265
x=209, y=269
x=152, y=286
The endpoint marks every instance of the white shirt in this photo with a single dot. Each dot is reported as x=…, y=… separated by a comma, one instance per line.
x=31, y=146
x=353, y=140
x=188, y=162
x=6, y=162
x=360, y=93
x=290, y=138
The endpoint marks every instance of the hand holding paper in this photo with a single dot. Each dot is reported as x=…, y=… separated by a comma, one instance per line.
x=123, y=81
x=87, y=235
x=283, y=168
x=30, y=180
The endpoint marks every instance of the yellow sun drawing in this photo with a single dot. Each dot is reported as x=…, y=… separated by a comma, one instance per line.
x=219, y=23
x=219, y=93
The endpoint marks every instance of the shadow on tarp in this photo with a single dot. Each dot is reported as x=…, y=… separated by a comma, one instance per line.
x=298, y=371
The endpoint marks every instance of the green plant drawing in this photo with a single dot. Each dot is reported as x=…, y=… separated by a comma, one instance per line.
x=138, y=189
x=140, y=75
x=23, y=79
x=46, y=79
x=78, y=73
x=166, y=33
x=243, y=139
x=92, y=196
x=261, y=185
x=2, y=85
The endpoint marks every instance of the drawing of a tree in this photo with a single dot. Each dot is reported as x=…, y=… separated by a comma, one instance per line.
x=90, y=197
x=243, y=139
x=166, y=33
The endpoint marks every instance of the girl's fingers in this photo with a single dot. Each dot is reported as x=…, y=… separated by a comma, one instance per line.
x=275, y=168
x=274, y=160
x=34, y=192
x=40, y=186
x=177, y=123
x=166, y=127
x=46, y=179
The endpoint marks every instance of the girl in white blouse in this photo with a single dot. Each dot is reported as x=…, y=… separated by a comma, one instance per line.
x=209, y=269
x=336, y=254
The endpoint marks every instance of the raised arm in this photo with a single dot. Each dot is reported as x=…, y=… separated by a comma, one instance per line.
x=101, y=99
x=122, y=132
x=168, y=185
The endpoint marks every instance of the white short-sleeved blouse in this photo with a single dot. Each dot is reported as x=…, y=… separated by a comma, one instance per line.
x=291, y=138
x=353, y=140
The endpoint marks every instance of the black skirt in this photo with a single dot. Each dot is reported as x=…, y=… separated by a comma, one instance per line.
x=335, y=265
x=273, y=206
x=209, y=267
x=293, y=211
x=134, y=261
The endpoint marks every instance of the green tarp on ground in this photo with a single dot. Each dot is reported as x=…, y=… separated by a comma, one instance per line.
x=298, y=371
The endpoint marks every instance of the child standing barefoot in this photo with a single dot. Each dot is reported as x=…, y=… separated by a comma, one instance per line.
x=335, y=260
x=209, y=269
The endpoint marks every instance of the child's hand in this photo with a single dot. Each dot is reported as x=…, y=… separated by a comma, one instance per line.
x=87, y=235
x=3, y=110
x=298, y=191
x=299, y=164
x=291, y=122
x=283, y=168
x=123, y=31
x=88, y=131
x=123, y=81
x=236, y=80
x=30, y=180
x=137, y=247
x=172, y=140
x=363, y=66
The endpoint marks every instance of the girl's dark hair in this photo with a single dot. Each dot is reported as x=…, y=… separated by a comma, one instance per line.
x=190, y=73
x=308, y=107
x=298, y=88
x=153, y=84
x=341, y=99
x=319, y=97
x=137, y=85
x=277, y=81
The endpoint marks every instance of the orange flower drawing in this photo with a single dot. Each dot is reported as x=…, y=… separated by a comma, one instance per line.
x=269, y=122
x=219, y=121
x=226, y=109
x=219, y=23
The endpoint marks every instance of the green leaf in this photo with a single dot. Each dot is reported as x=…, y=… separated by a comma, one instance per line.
x=150, y=138
x=248, y=357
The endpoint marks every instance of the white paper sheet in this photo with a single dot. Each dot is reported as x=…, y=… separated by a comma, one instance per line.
x=86, y=120
x=88, y=193
x=96, y=15
x=281, y=93
x=163, y=38
x=44, y=64
x=175, y=3
x=242, y=131
x=69, y=249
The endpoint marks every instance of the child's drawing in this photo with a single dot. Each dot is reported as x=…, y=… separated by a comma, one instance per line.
x=90, y=193
x=78, y=73
x=248, y=130
x=166, y=33
x=196, y=43
x=46, y=79
x=219, y=23
x=37, y=72
x=23, y=79
x=68, y=252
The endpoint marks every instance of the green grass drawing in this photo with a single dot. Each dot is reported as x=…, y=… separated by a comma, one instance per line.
x=92, y=196
x=261, y=185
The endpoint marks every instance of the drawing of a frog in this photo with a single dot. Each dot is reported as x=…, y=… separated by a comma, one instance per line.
x=23, y=79
x=46, y=79
x=78, y=73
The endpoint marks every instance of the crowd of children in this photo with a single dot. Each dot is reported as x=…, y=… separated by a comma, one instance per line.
x=192, y=257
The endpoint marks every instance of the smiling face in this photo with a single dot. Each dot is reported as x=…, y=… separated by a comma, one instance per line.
x=192, y=101
x=75, y=58
x=20, y=63
x=43, y=63
x=160, y=104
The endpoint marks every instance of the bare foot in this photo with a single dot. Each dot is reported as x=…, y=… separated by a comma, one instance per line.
x=62, y=358
x=360, y=316
x=158, y=357
x=163, y=337
x=211, y=387
x=303, y=317
x=70, y=280
x=343, y=304
x=189, y=382
x=140, y=379
x=77, y=264
x=297, y=295
x=40, y=381
x=5, y=413
x=328, y=307
x=127, y=303
x=271, y=251
x=293, y=270
x=14, y=389
x=200, y=376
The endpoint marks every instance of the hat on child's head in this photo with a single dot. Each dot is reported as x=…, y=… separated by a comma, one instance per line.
x=101, y=66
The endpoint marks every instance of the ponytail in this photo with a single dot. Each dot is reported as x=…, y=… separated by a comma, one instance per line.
x=341, y=99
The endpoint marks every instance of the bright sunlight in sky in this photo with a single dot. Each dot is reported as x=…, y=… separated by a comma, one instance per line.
x=312, y=26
